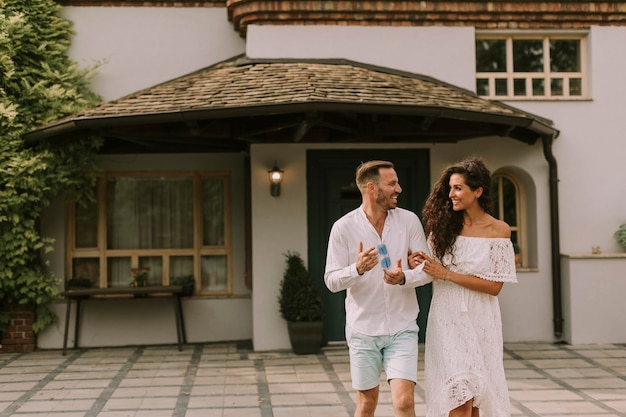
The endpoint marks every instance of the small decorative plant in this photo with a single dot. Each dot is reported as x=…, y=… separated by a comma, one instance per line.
x=186, y=281
x=299, y=298
x=516, y=248
x=518, y=256
x=620, y=235
x=140, y=277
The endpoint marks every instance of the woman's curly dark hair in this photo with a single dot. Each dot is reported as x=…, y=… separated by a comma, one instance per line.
x=441, y=223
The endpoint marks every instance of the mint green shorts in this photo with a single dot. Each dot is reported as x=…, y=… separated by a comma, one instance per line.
x=369, y=355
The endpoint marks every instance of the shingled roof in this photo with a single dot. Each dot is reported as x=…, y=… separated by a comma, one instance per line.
x=242, y=101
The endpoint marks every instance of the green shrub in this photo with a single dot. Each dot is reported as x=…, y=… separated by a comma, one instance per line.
x=299, y=298
x=620, y=235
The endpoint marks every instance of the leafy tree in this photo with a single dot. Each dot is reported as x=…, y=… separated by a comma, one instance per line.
x=38, y=84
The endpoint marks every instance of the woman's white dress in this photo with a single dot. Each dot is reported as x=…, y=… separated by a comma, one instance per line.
x=464, y=349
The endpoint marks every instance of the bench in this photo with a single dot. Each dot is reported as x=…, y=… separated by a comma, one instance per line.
x=79, y=294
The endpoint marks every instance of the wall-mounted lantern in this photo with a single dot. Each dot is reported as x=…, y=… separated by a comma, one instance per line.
x=276, y=178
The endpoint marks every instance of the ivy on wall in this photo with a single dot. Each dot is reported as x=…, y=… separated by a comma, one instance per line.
x=39, y=84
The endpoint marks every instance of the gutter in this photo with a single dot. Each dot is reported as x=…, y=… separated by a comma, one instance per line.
x=557, y=305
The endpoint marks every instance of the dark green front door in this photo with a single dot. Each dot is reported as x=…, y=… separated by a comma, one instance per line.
x=332, y=192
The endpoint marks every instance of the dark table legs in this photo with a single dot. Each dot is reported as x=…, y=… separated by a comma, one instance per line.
x=178, y=311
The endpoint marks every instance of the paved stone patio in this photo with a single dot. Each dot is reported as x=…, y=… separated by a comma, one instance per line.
x=230, y=380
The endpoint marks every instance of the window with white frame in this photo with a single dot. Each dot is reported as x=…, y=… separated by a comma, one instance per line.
x=507, y=198
x=530, y=67
x=169, y=224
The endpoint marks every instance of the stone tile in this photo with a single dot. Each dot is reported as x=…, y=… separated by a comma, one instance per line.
x=596, y=383
x=591, y=372
x=612, y=363
x=606, y=394
x=140, y=382
x=78, y=384
x=147, y=391
x=529, y=384
x=221, y=401
x=301, y=388
x=220, y=389
x=329, y=411
x=304, y=399
x=548, y=408
x=67, y=394
x=559, y=363
x=56, y=405
x=522, y=373
x=545, y=395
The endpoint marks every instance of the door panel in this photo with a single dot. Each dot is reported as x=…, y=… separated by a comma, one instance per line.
x=332, y=192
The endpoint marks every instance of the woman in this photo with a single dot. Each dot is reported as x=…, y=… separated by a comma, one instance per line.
x=472, y=258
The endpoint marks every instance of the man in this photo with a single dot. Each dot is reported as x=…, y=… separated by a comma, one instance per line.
x=381, y=304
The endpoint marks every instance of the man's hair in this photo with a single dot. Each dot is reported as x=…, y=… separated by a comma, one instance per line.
x=369, y=171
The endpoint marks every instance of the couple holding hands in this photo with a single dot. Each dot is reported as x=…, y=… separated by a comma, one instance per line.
x=465, y=252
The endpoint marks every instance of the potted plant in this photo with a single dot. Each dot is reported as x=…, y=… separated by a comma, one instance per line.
x=620, y=235
x=139, y=278
x=518, y=254
x=301, y=305
x=188, y=282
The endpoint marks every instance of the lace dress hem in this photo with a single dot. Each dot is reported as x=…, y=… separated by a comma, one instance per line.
x=457, y=391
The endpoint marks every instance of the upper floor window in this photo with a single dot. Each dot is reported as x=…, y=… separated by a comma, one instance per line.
x=530, y=67
x=168, y=224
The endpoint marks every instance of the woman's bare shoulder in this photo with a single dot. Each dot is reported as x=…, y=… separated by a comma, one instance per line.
x=501, y=229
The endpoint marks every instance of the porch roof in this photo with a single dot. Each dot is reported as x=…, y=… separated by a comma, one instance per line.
x=227, y=106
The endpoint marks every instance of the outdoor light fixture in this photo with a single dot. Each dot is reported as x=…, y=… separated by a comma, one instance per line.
x=276, y=177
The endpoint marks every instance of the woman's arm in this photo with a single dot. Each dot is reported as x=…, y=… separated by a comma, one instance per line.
x=439, y=272
x=471, y=282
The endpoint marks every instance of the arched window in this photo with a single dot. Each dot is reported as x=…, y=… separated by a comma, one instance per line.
x=509, y=202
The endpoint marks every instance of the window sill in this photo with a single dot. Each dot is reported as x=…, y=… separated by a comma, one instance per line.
x=617, y=255
x=538, y=99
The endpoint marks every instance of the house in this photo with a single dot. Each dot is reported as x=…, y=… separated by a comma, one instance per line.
x=204, y=98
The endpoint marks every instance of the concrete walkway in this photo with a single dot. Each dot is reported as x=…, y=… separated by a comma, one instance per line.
x=230, y=380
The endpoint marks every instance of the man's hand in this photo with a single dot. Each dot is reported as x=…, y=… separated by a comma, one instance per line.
x=416, y=258
x=366, y=260
x=395, y=276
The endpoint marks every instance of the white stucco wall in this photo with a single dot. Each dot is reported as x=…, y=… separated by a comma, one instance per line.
x=280, y=226
x=138, y=47
x=594, y=308
x=444, y=53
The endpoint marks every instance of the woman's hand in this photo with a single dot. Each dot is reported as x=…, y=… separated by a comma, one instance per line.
x=431, y=267
x=415, y=258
